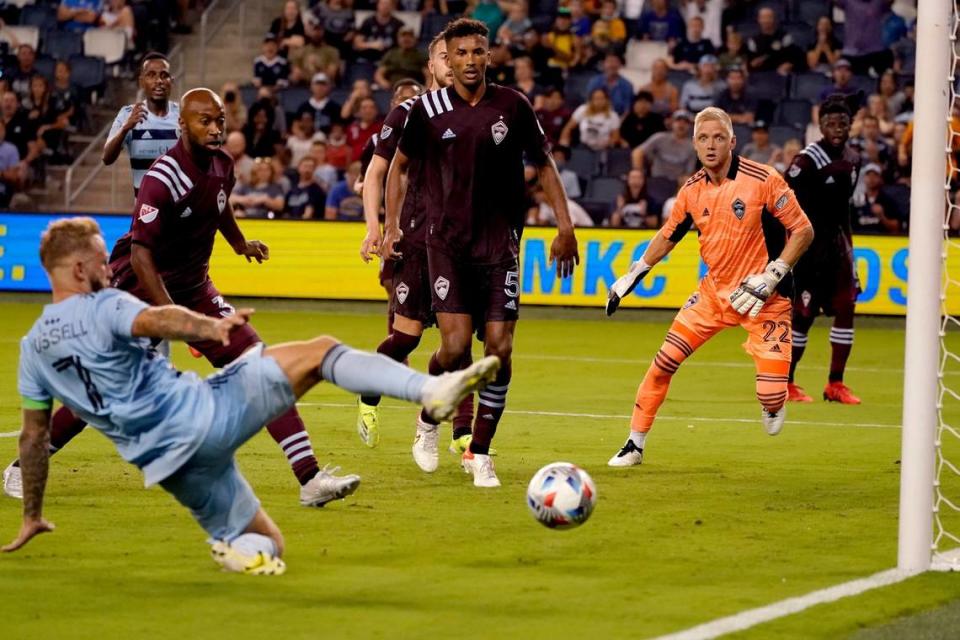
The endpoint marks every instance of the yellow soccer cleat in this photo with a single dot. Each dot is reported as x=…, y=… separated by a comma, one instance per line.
x=368, y=423
x=259, y=564
x=459, y=446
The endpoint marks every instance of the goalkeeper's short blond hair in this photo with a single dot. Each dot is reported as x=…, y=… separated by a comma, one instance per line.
x=716, y=115
x=65, y=237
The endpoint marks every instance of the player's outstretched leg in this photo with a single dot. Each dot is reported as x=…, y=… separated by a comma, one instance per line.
x=64, y=426
x=802, y=321
x=841, y=343
x=679, y=344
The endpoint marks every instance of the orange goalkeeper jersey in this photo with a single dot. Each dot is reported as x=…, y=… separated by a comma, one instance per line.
x=742, y=222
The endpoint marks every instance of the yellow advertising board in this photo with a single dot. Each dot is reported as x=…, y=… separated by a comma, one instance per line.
x=322, y=260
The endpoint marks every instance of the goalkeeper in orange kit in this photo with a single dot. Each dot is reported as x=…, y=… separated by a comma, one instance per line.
x=752, y=232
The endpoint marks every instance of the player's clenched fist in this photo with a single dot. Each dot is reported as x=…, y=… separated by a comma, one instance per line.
x=222, y=327
x=756, y=289
x=137, y=115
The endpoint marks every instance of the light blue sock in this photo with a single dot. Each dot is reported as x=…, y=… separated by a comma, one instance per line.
x=250, y=544
x=371, y=374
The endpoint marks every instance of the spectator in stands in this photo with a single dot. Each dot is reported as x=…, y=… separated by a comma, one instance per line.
x=525, y=82
x=302, y=137
x=877, y=107
x=367, y=123
x=905, y=51
x=734, y=53
x=316, y=56
x=689, y=51
x=236, y=147
x=263, y=197
x=488, y=12
x=234, y=111
x=661, y=22
x=580, y=21
x=378, y=33
x=324, y=110
x=344, y=203
x=50, y=125
x=288, y=28
x=532, y=46
x=19, y=131
x=826, y=50
x=518, y=21
x=566, y=50
x=760, y=149
x=403, y=61
x=597, y=122
x=325, y=173
x=873, y=210
x=21, y=75
x=64, y=96
x=337, y=20
x=668, y=154
x=269, y=68
x=609, y=32
x=772, y=48
x=361, y=91
x=118, y=15
x=554, y=114
x=641, y=122
x=633, y=209
x=279, y=117
x=339, y=152
x=305, y=200
x=863, y=38
x=617, y=87
x=500, y=65
x=790, y=150
x=666, y=98
x=702, y=91
x=568, y=177
x=78, y=15
x=872, y=146
x=262, y=139
x=842, y=84
x=544, y=214
x=735, y=99
x=12, y=172
x=711, y=13
x=887, y=89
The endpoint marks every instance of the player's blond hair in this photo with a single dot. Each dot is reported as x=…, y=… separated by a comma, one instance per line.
x=64, y=237
x=716, y=115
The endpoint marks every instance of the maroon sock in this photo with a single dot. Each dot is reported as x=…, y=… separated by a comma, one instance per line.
x=433, y=369
x=490, y=408
x=463, y=420
x=290, y=433
x=63, y=427
x=396, y=346
x=841, y=343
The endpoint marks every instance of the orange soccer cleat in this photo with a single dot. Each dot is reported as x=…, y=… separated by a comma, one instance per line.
x=839, y=392
x=795, y=393
x=194, y=352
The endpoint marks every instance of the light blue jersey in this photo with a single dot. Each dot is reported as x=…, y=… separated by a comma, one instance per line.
x=81, y=352
x=149, y=139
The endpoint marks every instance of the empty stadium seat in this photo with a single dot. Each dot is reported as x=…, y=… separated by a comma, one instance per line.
x=803, y=34
x=807, y=86
x=109, y=44
x=641, y=53
x=41, y=16
x=742, y=133
x=618, y=162
x=411, y=19
x=382, y=98
x=583, y=161
x=45, y=66
x=768, y=85
x=291, y=99
x=433, y=25
x=677, y=77
x=605, y=189
x=900, y=194
x=62, y=45
x=575, y=87
x=89, y=74
x=779, y=134
x=248, y=93
x=23, y=34
x=659, y=190
x=809, y=11
x=793, y=112
x=359, y=70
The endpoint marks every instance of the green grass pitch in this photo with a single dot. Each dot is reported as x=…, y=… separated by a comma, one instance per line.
x=720, y=517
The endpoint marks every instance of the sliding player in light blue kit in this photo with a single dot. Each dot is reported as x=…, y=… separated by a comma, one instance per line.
x=90, y=349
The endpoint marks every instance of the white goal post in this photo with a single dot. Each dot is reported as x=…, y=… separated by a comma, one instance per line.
x=929, y=206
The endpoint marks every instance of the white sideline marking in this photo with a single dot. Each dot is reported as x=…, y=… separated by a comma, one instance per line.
x=753, y=617
x=10, y=434
x=606, y=416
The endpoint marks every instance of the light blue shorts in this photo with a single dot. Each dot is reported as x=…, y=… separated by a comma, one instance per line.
x=248, y=393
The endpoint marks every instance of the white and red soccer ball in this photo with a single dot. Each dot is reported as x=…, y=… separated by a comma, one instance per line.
x=561, y=496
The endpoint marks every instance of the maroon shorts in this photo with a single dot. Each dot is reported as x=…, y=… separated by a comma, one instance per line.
x=488, y=292
x=411, y=287
x=830, y=291
x=207, y=300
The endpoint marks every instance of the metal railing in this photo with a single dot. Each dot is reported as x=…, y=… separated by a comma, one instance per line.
x=208, y=31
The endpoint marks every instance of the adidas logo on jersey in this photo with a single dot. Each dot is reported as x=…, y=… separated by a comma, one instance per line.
x=830, y=180
x=146, y=136
x=512, y=305
x=186, y=213
x=448, y=134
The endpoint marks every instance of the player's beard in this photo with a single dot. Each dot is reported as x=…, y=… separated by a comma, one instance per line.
x=97, y=284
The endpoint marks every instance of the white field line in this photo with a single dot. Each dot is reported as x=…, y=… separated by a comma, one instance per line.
x=10, y=434
x=606, y=416
x=753, y=617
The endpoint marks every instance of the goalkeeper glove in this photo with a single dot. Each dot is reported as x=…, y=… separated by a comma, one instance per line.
x=754, y=290
x=625, y=284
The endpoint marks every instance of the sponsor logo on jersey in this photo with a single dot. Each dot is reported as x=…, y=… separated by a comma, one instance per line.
x=221, y=200
x=148, y=214
x=692, y=300
x=806, y=297
x=442, y=287
x=794, y=171
x=499, y=131
x=448, y=135
x=385, y=132
x=402, y=291
x=739, y=208
x=781, y=202
x=186, y=213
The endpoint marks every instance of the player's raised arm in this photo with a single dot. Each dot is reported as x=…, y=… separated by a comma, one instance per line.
x=127, y=119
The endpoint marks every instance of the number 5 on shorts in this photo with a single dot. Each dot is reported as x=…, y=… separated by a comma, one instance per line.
x=511, y=285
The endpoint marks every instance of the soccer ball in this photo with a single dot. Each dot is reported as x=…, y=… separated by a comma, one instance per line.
x=561, y=496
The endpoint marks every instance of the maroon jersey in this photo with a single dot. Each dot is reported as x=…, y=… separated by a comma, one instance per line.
x=413, y=213
x=177, y=214
x=473, y=169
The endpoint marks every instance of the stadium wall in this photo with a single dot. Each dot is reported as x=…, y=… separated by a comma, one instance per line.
x=321, y=260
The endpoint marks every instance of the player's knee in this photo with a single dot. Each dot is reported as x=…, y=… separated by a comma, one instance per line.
x=320, y=346
x=503, y=349
x=456, y=343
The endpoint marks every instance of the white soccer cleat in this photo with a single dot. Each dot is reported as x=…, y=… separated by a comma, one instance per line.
x=426, y=450
x=773, y=422
x=13, y=482
x=325, y=487
x=258, y=564
x=629, y=455
x=481, y=467
x=442, y=395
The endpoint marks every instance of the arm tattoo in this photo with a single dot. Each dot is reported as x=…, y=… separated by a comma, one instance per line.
x=174, y=322
x=34, y=460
